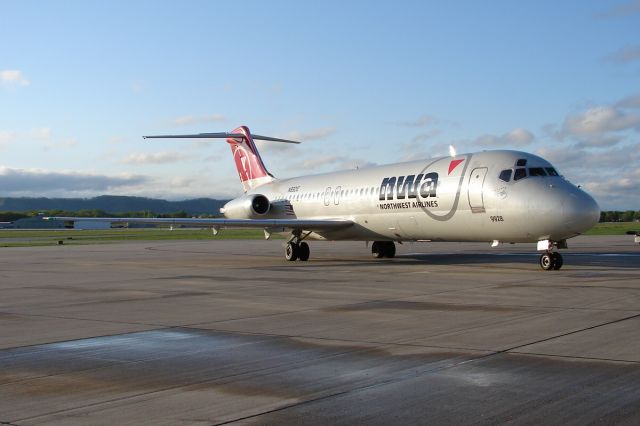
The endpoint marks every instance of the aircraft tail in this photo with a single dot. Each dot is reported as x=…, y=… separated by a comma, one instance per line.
x=251, y=169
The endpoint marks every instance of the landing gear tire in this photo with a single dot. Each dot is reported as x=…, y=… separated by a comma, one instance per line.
x=381, y=249
x=546, y=261
x=292, y=251
x=377, y=249
x=390, y=250
x=303, y=251
x=551, y=261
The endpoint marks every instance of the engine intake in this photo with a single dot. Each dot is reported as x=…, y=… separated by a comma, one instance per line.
x=247, y=207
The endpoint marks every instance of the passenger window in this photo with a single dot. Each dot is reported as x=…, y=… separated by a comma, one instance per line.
x=521, y=162
x=505, y=175
x=519, y=174
x=537, y=171
x=552, y=171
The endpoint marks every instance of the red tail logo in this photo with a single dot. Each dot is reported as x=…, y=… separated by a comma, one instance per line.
x=245, y=154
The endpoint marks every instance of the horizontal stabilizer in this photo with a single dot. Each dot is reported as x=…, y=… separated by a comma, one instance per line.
x=221, y=135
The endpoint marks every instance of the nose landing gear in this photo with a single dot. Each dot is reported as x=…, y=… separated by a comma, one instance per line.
x=551, y=261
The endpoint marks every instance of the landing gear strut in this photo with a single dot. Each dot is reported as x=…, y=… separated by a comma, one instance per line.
x=296, y=249
x=383, y=249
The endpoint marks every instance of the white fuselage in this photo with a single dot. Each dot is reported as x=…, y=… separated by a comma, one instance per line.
x=460, y=198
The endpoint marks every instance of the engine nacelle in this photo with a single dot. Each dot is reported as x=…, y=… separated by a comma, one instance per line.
x=247, y=207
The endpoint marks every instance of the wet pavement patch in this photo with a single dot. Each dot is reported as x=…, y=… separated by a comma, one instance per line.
x=312, y=379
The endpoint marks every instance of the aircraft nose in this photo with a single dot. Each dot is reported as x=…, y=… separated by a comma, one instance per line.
x=580, y=212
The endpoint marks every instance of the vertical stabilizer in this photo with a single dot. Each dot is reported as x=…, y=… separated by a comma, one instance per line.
x=249, y=164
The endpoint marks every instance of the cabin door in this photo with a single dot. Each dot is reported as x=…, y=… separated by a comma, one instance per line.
x=476, y=182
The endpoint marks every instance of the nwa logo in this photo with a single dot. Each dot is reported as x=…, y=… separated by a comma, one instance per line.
x=404, y=187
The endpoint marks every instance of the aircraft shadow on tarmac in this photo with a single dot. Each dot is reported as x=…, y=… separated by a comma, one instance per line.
x=627, y=260
x=608, y=260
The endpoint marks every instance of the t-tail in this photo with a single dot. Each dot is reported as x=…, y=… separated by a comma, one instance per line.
x=251, y=169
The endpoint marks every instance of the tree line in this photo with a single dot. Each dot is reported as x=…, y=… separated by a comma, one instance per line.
x=620, y=216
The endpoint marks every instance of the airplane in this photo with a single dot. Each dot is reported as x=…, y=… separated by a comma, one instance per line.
x=498, y=196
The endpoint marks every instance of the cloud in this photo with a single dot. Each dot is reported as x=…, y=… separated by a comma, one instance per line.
x=598, y=120
x=137, y=86
x=423, y=120
x=311, y=135
x=621, y=10
x=13, y=78
x=608, y=175
x=517, y=137
x=598, y=126
x=599, y=141
x=333, y=162
x=154, y=158
x=584, y=161
x=36, y=182
x=616, y=192
x=625, y=55
x=115, y=140
x=188, y=120
x=63, y=144
x=629, y=102
x=42, y=134
x=266, y=147
x=425, y=136
x=6, y=138
x=409, y=151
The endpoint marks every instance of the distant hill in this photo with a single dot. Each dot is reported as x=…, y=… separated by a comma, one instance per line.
x=113, y=204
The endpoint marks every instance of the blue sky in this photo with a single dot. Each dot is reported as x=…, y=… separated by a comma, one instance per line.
x=360, y=83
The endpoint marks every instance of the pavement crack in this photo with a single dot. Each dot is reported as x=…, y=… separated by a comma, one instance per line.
x=413, y=375
x=569, y=333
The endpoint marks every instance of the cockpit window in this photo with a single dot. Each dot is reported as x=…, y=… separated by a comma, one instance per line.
x=552, y=171
x=521, y=162
x=519, y=174
x=505, y=175
x=537, y=171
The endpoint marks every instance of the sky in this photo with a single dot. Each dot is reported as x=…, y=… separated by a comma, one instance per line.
x=360, y=83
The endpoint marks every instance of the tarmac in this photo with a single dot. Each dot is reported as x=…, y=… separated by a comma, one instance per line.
x=222, y=331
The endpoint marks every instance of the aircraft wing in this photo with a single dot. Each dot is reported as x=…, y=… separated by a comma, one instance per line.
x=302, y=224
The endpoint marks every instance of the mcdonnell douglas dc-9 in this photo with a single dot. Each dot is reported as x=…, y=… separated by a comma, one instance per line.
x=491, y=196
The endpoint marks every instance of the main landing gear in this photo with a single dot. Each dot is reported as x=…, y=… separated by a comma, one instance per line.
x=383, y=249
x=296, y=249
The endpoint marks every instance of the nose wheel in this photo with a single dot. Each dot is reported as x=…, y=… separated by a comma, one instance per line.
x=551, y=261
